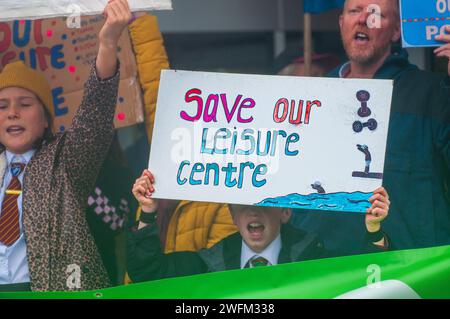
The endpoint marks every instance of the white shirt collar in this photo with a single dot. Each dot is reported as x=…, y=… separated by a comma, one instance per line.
x=23, y=158
x=344, y=69
x=271, y=252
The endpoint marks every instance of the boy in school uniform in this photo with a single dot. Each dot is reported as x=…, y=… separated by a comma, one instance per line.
x=264, y=238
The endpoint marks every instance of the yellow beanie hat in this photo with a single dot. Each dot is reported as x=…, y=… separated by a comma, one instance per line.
x=17, y=74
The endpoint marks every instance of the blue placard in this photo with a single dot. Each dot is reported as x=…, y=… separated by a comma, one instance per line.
x=423, y=20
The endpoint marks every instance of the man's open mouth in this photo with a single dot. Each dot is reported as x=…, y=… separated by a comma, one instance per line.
x=361, y=37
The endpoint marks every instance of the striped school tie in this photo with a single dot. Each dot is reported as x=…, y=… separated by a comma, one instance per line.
x=9, y=216
x=257, y=261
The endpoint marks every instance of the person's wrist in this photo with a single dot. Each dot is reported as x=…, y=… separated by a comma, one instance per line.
x=107, y=62
x=373, y=228
x=109, y=41
x=109, y=45
x=148, y=209
x=148, y=217
x=375, y=236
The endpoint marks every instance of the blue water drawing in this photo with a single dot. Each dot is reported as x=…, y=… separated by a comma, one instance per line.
x=357, y=202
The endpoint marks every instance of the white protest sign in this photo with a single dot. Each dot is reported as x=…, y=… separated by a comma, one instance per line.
x=312, y=143
x=39, y=9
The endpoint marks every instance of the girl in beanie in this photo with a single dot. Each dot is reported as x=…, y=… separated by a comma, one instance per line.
x=45, y=243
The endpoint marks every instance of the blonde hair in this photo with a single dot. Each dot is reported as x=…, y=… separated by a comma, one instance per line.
x=396, y=7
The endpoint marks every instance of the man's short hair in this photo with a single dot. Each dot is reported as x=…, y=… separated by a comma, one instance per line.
x=397, y=6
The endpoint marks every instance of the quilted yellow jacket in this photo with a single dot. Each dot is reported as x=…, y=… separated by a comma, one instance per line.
x=151, y=58
x=196, y=225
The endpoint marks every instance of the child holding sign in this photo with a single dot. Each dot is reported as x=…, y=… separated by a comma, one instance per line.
x=264, y=238
x=45, y=243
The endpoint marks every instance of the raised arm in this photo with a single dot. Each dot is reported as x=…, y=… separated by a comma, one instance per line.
x=118, y=15
x=145, y=259
x=87, y=141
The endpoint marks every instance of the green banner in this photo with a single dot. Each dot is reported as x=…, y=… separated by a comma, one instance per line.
x=420, y=273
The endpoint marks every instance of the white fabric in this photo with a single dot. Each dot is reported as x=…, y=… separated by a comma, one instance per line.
x=344, y=69
x=387, y=289
x=271, y=252
x=38, y=9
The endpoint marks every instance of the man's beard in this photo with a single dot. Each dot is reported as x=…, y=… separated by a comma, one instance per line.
x=366, y=56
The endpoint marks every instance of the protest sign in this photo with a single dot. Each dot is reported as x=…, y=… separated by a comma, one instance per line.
x=311, y=143
x=39, y=9
x=64, y=56
x=423, y=20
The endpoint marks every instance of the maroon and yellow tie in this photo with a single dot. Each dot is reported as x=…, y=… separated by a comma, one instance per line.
x=9, y=216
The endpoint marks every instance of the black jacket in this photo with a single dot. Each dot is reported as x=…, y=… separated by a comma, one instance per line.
x=417, y=166
x=146, y=261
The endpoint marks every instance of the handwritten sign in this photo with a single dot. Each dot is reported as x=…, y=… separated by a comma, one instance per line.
x=313, y=143
x=423, y=20
x=39, y=9
x=63, y=55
